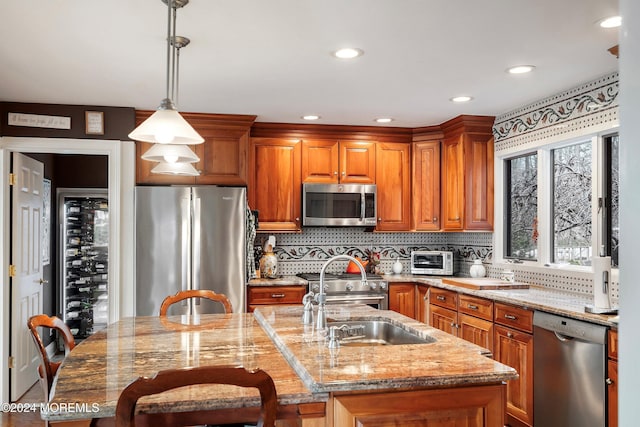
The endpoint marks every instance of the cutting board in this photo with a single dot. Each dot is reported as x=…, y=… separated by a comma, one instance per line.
x=484, y=283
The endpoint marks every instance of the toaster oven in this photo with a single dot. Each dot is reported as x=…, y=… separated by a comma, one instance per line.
x=437, y=263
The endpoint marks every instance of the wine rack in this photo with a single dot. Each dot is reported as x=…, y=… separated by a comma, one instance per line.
x=84, y=236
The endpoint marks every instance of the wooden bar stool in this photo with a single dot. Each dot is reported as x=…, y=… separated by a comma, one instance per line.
x=47, y=368
x=174, y=378
x=197, y=293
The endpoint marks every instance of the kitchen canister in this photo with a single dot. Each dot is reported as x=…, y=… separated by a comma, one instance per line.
x=397, y=266
x=477, y=269
x=268, y=263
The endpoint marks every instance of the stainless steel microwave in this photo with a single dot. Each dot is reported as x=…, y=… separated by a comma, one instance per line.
x=339, y=205
x=437, y=263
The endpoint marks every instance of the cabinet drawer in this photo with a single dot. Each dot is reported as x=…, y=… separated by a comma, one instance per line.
x=444, y=298
x=276, y=294
x=474, y=306
x=613, y=344
x=515, y=317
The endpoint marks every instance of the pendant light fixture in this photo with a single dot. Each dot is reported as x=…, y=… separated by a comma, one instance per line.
x=170, y=132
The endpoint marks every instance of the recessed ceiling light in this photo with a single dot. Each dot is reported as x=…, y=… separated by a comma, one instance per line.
x=348, y=53
x=520, y=69
x=461, y=98
x=311, y=117
x=611, y=22
x=384, y=120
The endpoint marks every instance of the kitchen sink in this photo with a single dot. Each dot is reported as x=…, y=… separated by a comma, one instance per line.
x=377, y=332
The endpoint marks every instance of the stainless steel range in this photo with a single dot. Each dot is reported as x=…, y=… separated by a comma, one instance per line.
x=346, y=288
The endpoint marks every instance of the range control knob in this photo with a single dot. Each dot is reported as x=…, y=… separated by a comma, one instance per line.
x=349, y=287
x=373, y=285
x=383, y=285
x=316, y=287
x=326, y=287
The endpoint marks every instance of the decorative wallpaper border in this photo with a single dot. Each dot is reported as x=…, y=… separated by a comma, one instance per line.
x=576, y=110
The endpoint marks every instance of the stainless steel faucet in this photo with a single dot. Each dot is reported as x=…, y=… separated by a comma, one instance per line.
x=321, y=322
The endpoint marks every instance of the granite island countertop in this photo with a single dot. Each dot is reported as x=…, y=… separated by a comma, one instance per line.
x=304, y=370
x=449, y=361
x=97, y=370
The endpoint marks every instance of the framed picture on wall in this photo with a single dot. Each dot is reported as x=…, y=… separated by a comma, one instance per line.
x=46, y=221
x=94, y=122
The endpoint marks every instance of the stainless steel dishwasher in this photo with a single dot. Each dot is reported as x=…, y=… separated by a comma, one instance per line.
x=569, y=369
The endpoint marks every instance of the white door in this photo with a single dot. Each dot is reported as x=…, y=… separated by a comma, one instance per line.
x=26, y=257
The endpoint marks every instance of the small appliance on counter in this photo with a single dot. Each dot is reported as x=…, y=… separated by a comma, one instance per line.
x=436, y=263
x=601, y=286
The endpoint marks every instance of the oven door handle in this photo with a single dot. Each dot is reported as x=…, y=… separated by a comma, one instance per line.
x=356, y=298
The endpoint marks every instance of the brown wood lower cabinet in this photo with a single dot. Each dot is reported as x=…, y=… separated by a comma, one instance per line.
x=402, y=298
x=422, y=303
x=513, y=346
x=465, y=316
x=612, y=379
x=461, y=406
x=271, y=295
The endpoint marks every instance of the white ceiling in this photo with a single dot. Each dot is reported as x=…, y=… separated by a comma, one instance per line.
x=272, y=57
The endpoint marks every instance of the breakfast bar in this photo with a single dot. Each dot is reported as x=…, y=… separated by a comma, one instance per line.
x=443, y=377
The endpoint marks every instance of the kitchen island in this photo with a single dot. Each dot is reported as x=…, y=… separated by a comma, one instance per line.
x=445, y=379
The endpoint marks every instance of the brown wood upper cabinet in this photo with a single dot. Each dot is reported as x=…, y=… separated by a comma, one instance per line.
x=426, y=185
x=332, y=162
x=467, y=174
x=274, y=183
x=393, y=180
x=223, y=155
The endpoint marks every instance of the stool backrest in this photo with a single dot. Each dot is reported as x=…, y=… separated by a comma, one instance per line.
x=47, y=369
x=174, y=378
x=197, y=293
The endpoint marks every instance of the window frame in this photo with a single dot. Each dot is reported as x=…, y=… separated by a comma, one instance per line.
x=545, y=201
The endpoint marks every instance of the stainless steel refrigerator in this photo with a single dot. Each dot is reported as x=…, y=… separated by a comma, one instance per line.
x=190, y=238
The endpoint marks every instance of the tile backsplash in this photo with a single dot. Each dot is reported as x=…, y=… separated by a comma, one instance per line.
x=307, y=251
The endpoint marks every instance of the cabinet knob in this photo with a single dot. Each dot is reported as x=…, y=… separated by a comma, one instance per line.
x=335, y=173
x=509, y=335
x=277, y=295
x=343, y=173
x=379, y=219
x=440, y=298
x=510, y=317
x=608, y=381
x=456, y=218
x=472, y=307
x=297, y=219
x=435, y=219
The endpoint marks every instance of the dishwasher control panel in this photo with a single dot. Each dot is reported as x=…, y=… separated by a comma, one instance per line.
x=570, y=327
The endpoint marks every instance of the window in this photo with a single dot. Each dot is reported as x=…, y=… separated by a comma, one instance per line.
x=572, y=204
x=522, y=207
x=609, y=201
x=561, y=202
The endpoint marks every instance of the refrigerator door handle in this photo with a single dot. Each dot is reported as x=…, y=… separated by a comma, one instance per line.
x=185, y=249
x=195, y=238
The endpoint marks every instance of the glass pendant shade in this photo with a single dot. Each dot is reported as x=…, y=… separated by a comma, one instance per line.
x=170, y=153
x=183, y=169
x=166, y=126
